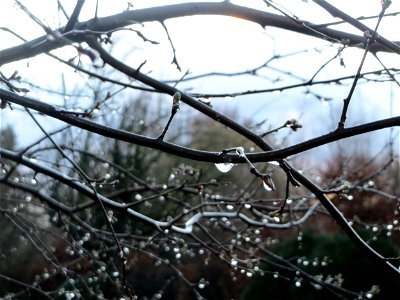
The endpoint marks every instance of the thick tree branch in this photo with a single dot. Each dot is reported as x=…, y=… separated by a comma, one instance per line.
x=111, y=23
x=74, y=17
x=357, y=24
x=184, y=152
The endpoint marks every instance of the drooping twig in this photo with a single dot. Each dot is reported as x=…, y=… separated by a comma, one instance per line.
x=92, y=185
x=174, y=60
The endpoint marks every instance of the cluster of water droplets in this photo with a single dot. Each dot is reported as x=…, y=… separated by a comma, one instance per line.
x=226, y=166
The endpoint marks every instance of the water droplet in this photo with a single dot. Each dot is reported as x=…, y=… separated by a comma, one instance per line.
x=371, y=183
x=28, y=198
x=206, y=100
x=110, y=214
x=240, y=151
x=247, y=205
x=249, y=274
x=297, y=283
x=389, y=227
x=374, y=229
x=268, y=184
x=266, y=187
x=202, y=283
x=229, y=207
x=115, y=274
x=224, y=167
x=369, y=295
x=138, y=197
x=69, y=295
x=234, y=262
x=324, y=101
x=317, y=286
x=276, y=274
x=289, y=201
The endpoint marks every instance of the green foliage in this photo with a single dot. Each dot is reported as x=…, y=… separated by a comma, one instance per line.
x=343, y=262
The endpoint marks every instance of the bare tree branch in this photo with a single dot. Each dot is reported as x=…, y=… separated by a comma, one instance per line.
x=106, y=24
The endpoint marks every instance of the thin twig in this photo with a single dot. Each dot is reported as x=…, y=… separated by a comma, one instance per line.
x=370, y=38
x=174, y=60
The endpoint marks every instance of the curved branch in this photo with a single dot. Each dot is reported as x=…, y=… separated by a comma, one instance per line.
x=323, y=140
x=110, y=23
x=199, y=155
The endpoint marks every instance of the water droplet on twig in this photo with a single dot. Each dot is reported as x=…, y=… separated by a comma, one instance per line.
x=234, y=262
x=202, y=283
x=224, y=167
x=268, y=184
